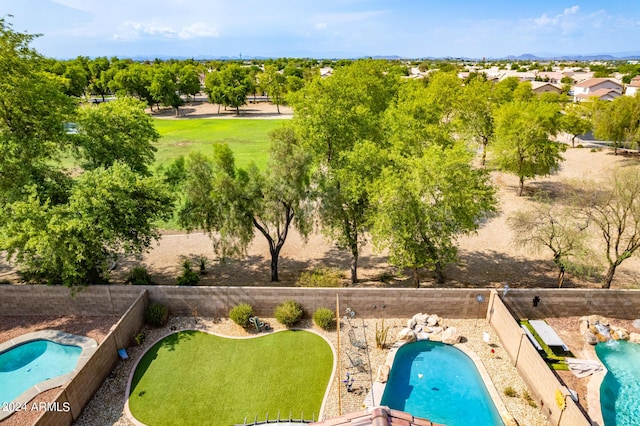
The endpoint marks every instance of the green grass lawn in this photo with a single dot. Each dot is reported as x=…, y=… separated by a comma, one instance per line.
x=248, y=139
x=192, y=377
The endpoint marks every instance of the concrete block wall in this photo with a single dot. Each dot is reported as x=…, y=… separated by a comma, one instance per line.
x=554, y=302
x=542, y=382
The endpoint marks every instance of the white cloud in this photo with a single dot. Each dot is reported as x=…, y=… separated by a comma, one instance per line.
x=133, y=30
x=197, y=30
x=563, y=19
x=321, y=25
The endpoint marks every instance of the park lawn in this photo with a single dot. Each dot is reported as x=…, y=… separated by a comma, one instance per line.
x=192, y=377
x=248, y=139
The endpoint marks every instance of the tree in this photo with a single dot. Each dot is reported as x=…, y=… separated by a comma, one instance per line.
x=339, y=119
x=475, y=113
x=133, y=80
x=617, y=121
x=274, y=83
x=188, y=81
x=164, y=87
x=547, y=226
x=230, y=86
x=614, y=208
x=116, y=131
x=575, y=122
x=100, y=76
x=279, y=196
x=423, y=204
x=110, y=211
x=522, y=144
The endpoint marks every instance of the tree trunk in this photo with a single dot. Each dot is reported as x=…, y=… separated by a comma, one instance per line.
x=354, y=265
x=439, y=273
x=521, y=187
x=416, y=278
x=274, y=264
x=560, y=277
x=177, y=111
x=609, y=276
x=573, y=142
x=218, y=109
x=485, y=142
x=278, y=107
x=238, y=110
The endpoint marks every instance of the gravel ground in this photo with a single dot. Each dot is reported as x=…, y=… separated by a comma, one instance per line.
x=107, y=405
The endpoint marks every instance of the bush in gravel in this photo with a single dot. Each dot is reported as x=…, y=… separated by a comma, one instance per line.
x=324, y=318
x=241, y=313
x=156, y=315
x=289, y=313
x=188, y=276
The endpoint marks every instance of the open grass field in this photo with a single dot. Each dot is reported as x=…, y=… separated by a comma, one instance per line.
x=248, y=139
x=192, y=377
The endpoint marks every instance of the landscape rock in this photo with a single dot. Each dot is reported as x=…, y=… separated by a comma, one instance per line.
x=584, y=325
x=634, y=337
x=435, y=337
x=590, y=338
x=406, y=335
x=451, y=336
x=619, y=333
x=383, y=374
x=411, y=323
x=421, y=319
x=433, y=320
x=423, y=336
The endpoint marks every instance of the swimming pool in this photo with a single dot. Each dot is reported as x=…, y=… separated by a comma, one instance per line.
x=33, y=362
x=439, y=382
x=620, y=389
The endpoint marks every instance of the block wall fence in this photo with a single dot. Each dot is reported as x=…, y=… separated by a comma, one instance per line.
x=497, y=308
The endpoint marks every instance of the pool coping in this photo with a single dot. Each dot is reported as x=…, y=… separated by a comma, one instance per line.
x=136, y=422
x=87, y=344
x=378, y=387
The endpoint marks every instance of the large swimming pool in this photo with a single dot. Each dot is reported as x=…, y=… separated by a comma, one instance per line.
x=620, y=389
x=439, y=382
x=33, y=362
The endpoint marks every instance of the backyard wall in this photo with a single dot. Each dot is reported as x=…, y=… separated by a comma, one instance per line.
x=541, y=380
x=79, y=391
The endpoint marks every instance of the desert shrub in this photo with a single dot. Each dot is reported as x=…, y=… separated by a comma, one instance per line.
x=139, y=338
x=241, y=313
x=324, y=277
x=156, y=315
x=324, y=318
x=288, y=313
x=188, y=276
x=381, y=336
x=529, y=399
x=579, y=146
x=511, y=392
x=139, y=276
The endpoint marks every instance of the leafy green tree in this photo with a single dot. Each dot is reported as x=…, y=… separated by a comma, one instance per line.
x=575, y=122
x=475, y=113
x=617, y=121
x=274, y=83
x=229, y=86
x=340, y=121
x=613, y=207
x=423, y=204
x=523, y=146
x=33, y=110
x=116, y=131
x=165, y=88
x=188, y=80
x=546, y=226
x=110, y=211
x=100, y=76
x=77, y=79
x=133, y=80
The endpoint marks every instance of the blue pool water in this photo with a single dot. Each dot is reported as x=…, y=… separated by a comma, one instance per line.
x=620, y=389
x=33, y=362
x=440, y=383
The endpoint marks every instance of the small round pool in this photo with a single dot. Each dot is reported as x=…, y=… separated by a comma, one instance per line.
x=440, y=383
x=33, y=362
x=620, y=389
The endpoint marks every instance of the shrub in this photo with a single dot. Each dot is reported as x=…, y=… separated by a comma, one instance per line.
x=324, y=318
x=241, y=313
x=579, y=146
x=188, y=276
x=156, y=315
x=289, y=313
x=139, y=337
x=509, y=391
x=139, y=276
x=529, y=399
x=381, y=336
x=324, y=277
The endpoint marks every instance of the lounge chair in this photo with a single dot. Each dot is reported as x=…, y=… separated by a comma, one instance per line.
x=355, y=342
x=356, y=362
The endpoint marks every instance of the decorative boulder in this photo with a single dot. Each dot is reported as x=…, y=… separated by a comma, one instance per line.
x=383, y=374
x=584, y=325
x=451, y=336
x=422, y=336
x=634, y=337
x=406, y=335
x=590, y=338
x=411, y=323
x=433, y=320
x=619, y=333
x=421, y=319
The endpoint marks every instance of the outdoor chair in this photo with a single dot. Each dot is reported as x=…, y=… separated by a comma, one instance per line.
x=355, y=342
x=356, y=362
x=259, y=324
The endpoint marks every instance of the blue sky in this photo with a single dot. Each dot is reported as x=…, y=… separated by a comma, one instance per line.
x=326, y=28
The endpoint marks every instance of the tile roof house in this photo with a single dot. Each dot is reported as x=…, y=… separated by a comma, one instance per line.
x=545, y=87
x=602, y=88
x=379, y=416
x=633, y=87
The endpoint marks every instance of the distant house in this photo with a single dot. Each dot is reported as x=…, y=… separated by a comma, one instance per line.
x=326, y=72
x=545, y=87
x=602, y=88
x=632, y=88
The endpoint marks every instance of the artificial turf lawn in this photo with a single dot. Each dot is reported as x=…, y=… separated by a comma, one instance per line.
x=192, y=377
x=248, y=139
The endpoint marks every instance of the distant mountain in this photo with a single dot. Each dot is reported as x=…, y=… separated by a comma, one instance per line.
x=624, y=56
